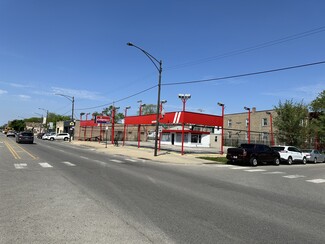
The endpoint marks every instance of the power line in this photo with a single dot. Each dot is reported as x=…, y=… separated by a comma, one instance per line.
x=242, y=75
x=252, y=48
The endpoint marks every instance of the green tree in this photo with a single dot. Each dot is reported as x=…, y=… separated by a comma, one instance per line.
x=318, y=118
x=291, y=122
x=17, y=125
x=108, y=112
x=149, y=109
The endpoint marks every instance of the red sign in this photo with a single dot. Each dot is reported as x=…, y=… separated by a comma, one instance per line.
x=102, y=119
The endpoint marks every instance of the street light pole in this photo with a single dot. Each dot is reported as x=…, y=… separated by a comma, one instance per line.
x=222, y=130
x=139, y=126
x=161, y=114
x=159, y=68
x=271, y=125
x=249, y=124
x=125, y=113
x=184, y=98
x=47, y=115
x=71, y=98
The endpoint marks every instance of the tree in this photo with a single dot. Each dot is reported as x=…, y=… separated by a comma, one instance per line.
x=291, y=122
x=149, y=109
x=318, y=118
x=17, y=125
x=109, y=111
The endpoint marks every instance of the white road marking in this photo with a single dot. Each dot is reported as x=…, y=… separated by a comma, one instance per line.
x=116, y=161
x=255, y=170
x=316, y=181
x=84, y=157
x=274, y=172
x=223, y=165
x=46, y=165
x=131, y=160
x=293, y=176
x=68, y=163
x=240, y=167
x=20, y=166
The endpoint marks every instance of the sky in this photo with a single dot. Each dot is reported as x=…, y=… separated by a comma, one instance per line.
x=78, y=48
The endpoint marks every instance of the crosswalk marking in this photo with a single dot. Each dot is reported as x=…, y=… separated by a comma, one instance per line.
x=293, y=176
x=46, y=165
x=116, y=161
x=239, y=167
x=68, y=164
x=131, y=160
x=316, y=181
x=20, y=166
x=255, y=170
x=274, y=173
x=223, y=165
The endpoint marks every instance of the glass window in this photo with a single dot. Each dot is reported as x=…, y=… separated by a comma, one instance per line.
x=196, y=138
x=264, y=122
x=229, y=123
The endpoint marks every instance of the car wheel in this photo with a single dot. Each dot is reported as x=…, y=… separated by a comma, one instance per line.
x=315, y=160
x=290, y=160
x=304, y=160
x=65, y=138
x=277, y=161
x=51, y=139
x=253, y=161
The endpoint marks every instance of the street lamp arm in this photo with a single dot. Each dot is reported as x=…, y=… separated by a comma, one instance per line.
x=152, y=58
x=66, y=96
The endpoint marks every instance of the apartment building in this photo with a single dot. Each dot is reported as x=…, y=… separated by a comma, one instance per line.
x=261, y=128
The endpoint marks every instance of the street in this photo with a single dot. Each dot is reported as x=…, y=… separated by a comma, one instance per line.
x=56, y=192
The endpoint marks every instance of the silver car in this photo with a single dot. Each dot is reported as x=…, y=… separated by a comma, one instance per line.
x=313, y=155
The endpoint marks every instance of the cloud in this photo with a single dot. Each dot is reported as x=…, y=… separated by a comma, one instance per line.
x=3, y=92
x=304, y=92
x=24, y=97
x=81, y=94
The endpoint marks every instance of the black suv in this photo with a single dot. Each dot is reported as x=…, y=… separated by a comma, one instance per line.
x=25, y=136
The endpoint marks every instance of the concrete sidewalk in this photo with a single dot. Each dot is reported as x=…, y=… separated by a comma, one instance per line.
x=146, y=151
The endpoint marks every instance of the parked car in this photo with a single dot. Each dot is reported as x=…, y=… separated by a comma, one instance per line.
x=290, y=154
x=25, y=136
x=11, y=133
x=47, y=135
x=254, y=154
x=59, y=136
x=313, y=155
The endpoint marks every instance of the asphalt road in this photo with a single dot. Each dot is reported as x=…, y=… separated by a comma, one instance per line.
x=55, y=192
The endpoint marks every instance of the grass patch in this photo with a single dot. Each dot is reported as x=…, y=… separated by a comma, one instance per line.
x=216, y=159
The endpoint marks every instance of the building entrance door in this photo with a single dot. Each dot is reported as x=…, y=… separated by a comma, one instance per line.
x=173, y=138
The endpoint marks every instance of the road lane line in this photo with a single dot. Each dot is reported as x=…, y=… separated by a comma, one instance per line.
x=12, y=151
x=68, y=163
x=316, y=181
x=116, y=161
x=32, y=156
x=255, y=170
x=274, y=172
x=293, y=176
x=20, y=166
x=45, y=165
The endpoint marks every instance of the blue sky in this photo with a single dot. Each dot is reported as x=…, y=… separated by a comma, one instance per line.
x=78, y=48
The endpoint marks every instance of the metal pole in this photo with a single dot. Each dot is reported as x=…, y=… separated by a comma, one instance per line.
x=222, y=129
x=157, y=114
x=184, y=101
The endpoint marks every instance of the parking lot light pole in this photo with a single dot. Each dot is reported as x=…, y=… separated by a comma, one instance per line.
x=184, y=98
x=71, y=98
x=222, y=130
x=158, y=65
x=271, y=128
x=125, y=113
x=249, y=124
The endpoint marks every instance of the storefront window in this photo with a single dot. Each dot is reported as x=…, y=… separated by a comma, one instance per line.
x=165, y=137
x=196, y=138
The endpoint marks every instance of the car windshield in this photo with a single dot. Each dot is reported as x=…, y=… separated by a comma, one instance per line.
x=27, y=134
x=278, y=148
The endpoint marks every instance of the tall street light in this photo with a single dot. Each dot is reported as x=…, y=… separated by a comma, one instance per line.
x=113, y=123
x=159, y=68
x=161, y=116
x=271, y=125
x=71, y=98
x=184, y=98
x=222, y=130
x=139, y=126
x=125, y=113
x=249, y=124
x=47, y=116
